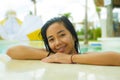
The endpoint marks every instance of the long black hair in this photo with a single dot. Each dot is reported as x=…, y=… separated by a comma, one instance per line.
x=68, y=25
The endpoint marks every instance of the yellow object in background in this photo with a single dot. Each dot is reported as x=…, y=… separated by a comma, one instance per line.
x=3, y=21
x=36, y=39
x=35, y=35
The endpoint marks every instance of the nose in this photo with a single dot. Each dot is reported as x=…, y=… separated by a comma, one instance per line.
x=58, y=42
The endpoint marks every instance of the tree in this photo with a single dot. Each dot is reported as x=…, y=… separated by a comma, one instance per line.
x=86, y=26
x=68, y=15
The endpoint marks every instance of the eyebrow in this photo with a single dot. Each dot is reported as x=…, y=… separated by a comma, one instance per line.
x=57, y=33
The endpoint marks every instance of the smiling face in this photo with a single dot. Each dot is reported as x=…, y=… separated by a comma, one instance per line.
x=60, y=39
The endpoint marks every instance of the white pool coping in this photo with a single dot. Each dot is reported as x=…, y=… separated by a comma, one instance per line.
x=36, y=70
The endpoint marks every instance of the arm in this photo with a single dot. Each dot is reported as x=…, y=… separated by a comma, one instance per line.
x=104, y=58
x=26, y=52
x=93, y=58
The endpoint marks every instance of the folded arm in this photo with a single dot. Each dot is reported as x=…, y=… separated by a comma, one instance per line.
x=26, y=52
x=92, y=58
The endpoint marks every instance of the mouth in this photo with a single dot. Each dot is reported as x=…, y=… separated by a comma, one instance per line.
x=61, y=49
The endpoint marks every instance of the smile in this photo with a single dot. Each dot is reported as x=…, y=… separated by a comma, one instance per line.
x=61, y=49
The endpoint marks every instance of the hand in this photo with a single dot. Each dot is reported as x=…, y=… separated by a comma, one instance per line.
x=58, y=58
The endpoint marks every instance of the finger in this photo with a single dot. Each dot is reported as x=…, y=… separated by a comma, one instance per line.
x=48, y=59
x=45, y=60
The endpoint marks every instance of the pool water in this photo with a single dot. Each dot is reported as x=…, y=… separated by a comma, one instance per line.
x=4, y=45
x=91, y=47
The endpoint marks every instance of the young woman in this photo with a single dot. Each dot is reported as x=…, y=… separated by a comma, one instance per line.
x=62, y=46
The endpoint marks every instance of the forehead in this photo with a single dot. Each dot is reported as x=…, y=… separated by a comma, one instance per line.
x=55, y=27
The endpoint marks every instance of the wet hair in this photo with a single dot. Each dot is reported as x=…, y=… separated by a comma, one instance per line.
x=68, y=25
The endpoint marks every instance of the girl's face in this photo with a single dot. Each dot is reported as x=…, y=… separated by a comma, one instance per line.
x=60, y=39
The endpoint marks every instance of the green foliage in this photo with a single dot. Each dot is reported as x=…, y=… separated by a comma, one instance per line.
x=1, y=38
x=98, y=32
x=98, y=9
x=80, y=32
x=68, y=15
x=93, y=33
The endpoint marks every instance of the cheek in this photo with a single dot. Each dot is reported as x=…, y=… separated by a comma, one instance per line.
x=68, y=38
x=51, y=46
x=71, y=41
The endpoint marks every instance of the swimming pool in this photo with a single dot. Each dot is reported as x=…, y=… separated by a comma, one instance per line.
x=4, y=45
x=93, y=46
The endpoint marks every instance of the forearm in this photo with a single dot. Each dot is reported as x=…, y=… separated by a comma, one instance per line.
x=107, y=58
x=25, y=52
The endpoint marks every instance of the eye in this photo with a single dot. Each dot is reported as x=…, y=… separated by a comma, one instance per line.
x=50, y=40
x=63, y=34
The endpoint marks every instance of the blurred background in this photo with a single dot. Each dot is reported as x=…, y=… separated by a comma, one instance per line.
x=96, y=21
